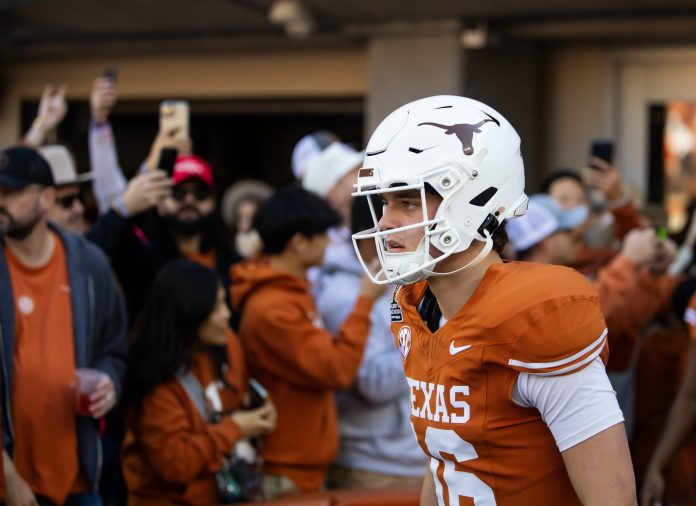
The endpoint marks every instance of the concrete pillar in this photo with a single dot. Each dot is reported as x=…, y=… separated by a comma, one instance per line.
x=509, y=79
x=404, y=67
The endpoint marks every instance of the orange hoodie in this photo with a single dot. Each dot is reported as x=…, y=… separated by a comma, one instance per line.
x=649, y=299
x=626, y=218
x=170, y=454
x=300, y=363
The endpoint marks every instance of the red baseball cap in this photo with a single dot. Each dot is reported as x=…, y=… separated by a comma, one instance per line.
x=193, y=167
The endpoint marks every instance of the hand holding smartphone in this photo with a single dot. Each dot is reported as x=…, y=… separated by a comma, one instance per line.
x=602, y=149
x=174, y=118
x=257, y=394
x=111, y=73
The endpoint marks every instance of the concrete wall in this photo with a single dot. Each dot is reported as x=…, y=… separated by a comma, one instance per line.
x=645, y=77
x=558, y=98
x=580, y=105
x=596, y=92
x=405, y=68
x=326, y=73
x=509, y=79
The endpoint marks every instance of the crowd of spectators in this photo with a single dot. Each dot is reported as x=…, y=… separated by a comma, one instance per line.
x=173, y=352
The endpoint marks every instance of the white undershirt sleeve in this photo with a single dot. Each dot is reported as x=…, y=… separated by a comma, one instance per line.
x=575, y=406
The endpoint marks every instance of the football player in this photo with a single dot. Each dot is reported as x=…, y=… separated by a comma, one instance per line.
x=505, y=361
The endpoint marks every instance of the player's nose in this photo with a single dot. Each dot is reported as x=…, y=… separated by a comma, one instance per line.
x=388, y=220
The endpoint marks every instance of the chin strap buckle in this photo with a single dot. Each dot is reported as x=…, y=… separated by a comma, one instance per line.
x=490, y=225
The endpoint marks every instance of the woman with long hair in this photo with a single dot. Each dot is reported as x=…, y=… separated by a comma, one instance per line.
x=184, y=388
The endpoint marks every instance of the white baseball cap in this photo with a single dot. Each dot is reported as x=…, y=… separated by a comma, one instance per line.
x=328, y=167
x=308, y=147
x=544, y=217
x=63, y=165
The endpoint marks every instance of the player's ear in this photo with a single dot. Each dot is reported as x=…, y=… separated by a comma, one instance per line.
x=47, y=198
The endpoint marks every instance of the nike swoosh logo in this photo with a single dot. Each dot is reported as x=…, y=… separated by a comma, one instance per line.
x=457, y=349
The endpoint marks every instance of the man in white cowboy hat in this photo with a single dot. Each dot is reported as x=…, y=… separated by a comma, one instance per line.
x=68, y=211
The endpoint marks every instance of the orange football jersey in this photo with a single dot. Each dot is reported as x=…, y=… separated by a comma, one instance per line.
x=484, y=448
x=690, y=317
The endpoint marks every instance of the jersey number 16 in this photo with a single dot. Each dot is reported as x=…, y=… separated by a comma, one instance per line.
x=458, y=483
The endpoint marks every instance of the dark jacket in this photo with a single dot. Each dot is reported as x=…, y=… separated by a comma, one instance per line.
x=107, y=231
x=99, y=326
x=145, y=246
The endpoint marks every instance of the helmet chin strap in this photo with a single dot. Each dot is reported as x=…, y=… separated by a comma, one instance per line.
x=475, y=261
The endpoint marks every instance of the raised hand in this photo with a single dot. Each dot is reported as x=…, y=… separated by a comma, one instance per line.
x=102, y=99
x=52, y=108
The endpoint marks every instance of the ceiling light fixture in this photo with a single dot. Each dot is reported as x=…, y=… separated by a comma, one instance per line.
x=475, y=37
x=294, y=16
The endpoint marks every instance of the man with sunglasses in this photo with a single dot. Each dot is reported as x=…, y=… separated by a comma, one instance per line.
x=189, y=212
x=68, y=211
x=185, y=223
x=60, y=311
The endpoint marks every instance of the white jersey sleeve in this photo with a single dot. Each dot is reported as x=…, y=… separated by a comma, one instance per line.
x=575, y=406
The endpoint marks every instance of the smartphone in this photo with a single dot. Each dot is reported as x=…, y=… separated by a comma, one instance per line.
x=111, y=73
x=174, y=117
x=602, y=149
x=166, y=161
x=257, y=394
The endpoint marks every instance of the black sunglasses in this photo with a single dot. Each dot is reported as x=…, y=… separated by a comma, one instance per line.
x=67, y=201
x=199, y=193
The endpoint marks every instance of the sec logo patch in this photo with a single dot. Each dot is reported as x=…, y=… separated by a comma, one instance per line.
x=405, y=341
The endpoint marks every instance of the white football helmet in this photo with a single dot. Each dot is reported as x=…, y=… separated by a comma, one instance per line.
x=467, y=153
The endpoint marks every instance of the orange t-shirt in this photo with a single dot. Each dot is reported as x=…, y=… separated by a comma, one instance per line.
x=43, y=397
x=523, y=317
x=206, y=259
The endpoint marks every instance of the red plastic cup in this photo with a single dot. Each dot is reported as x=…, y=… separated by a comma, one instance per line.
x=87, y=380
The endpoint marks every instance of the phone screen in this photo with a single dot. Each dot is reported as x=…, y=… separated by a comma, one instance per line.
x=111, y=73
x=167, y=159
x=602, y=149
x=257, y=394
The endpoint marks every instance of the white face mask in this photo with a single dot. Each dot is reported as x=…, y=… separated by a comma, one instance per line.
x=248, y=244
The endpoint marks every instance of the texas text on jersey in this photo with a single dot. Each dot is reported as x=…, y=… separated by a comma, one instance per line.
x=523, y=318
